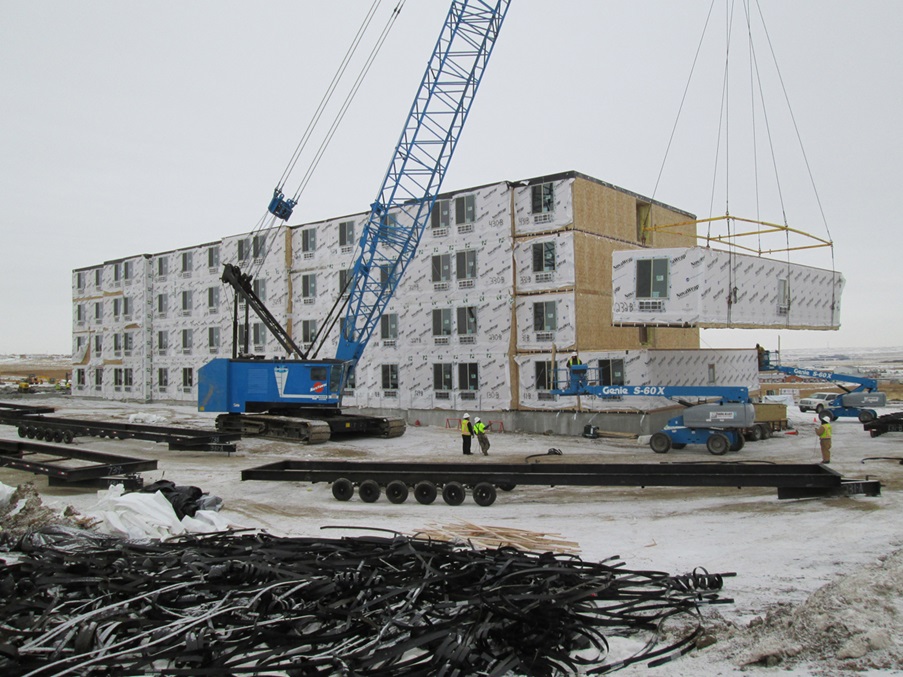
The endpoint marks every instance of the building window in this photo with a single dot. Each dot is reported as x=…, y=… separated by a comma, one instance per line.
x=98, y=345
x=543, y=198
x=213, y=339
x=260, y=289
x=468, y=376
x=350, y=379
x=545, y=316
x=80, y=377
x=308, y=331
x=98, y=312
x=465, y=209
x=213, y=258
x=388, y=327
x=440, y=217
x=544, y=257
x=117, y=344
x=162, y=378
x=79, y=281
x=466, y=265
x=244, y=250
x=127, y=342
x=442, y=376
x=186, y=341
x=611, y=372
x=98, y=278
x=186, y=303
x=127, y=272
x=783, y=296
x=346, y=233
x=309, y=240
x=712, y=376
x=345, y=277
x=258, y=335
x=187, y=263
x=467, y=321
x=441, y=268
x=162, y=342
x=385, y=273
x=80, y=313
x=117, y=273
x=652, y=278
x=162, y=266
x=212, y=299
x=187, y=377
x=127, y=307
x=309, y=287
x=127, y=378
x=98, y=378
x=117, y=378
x=442, y=321
x=545, y=374
x=161, y=305
x=390, y=376
x=259, y=245
x=117, y=308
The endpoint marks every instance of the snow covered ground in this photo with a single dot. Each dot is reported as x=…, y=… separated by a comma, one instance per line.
x=819, y=584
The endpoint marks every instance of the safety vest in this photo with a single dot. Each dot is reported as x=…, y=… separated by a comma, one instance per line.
x=574, y=361
x=479, y=427
x=465, y=426
x=825, y=431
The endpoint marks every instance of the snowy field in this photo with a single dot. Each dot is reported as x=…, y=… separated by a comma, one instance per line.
x=819, y=583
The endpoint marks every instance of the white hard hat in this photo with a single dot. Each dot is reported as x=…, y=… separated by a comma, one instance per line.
x=466, y=415
x=477, y=419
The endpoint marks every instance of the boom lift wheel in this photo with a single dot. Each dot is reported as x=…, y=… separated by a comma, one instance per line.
x=718, y=444
x=866, y=415
x=660, y=443
x=453, y=493
x=738, y=445
x=397, y=491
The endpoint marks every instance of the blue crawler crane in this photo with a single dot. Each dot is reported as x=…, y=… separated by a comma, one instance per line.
x=298, y=397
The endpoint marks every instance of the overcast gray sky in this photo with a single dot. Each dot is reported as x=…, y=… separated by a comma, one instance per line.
x=139, y=127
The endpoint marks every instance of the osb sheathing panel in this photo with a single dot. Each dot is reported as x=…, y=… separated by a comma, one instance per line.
x=604, y=211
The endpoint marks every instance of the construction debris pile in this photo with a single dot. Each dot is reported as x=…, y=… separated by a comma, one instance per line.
x=73, y=602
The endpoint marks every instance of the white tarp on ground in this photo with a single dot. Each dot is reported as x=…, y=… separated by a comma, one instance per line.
x=697, y=286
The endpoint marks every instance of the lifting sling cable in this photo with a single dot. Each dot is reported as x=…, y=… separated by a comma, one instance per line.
x=683, y=100
x=803, y=151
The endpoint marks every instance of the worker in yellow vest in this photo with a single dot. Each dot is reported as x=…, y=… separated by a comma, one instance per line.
x=479, y=428
x=824, y=437
x=466, y=433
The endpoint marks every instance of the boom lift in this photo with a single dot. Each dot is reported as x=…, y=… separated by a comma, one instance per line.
x=855, y=402
x=299, y=397
x=719, y=424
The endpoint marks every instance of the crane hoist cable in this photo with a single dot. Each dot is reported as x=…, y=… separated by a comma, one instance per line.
x=269, y=219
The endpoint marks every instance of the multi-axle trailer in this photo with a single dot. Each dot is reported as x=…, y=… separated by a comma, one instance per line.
x=452, y=480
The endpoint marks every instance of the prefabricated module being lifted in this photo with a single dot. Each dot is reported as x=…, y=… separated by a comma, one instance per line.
x=299, y=397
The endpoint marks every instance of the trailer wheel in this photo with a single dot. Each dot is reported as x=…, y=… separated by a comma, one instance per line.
x=58, y=436
x=660, y=443
x=369, y=491
x=342, y=489
x=425, y=492
x=484, y=494
x=738, y=445
x=68, y=437
x=765, y=430
x=22, y=430
x=866, y=415
x=30, y=432
x=397, y=491
x=453, y=493
x=506, y=486
x=718, y=444
x=755, y=434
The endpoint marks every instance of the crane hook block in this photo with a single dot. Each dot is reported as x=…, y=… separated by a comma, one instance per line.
x=280, y=207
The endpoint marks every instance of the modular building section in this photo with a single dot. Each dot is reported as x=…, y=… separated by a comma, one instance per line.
x=701, y=287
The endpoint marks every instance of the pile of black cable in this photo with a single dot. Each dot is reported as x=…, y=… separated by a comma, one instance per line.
x=250, y=603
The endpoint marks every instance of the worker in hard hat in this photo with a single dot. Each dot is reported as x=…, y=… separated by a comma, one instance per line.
x=479, y=429
x=466, y=433
x=824, y=437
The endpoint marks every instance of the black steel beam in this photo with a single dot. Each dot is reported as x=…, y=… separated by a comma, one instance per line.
x=48, y=460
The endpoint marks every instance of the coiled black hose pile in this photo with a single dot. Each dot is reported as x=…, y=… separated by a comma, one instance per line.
x=249, y=603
